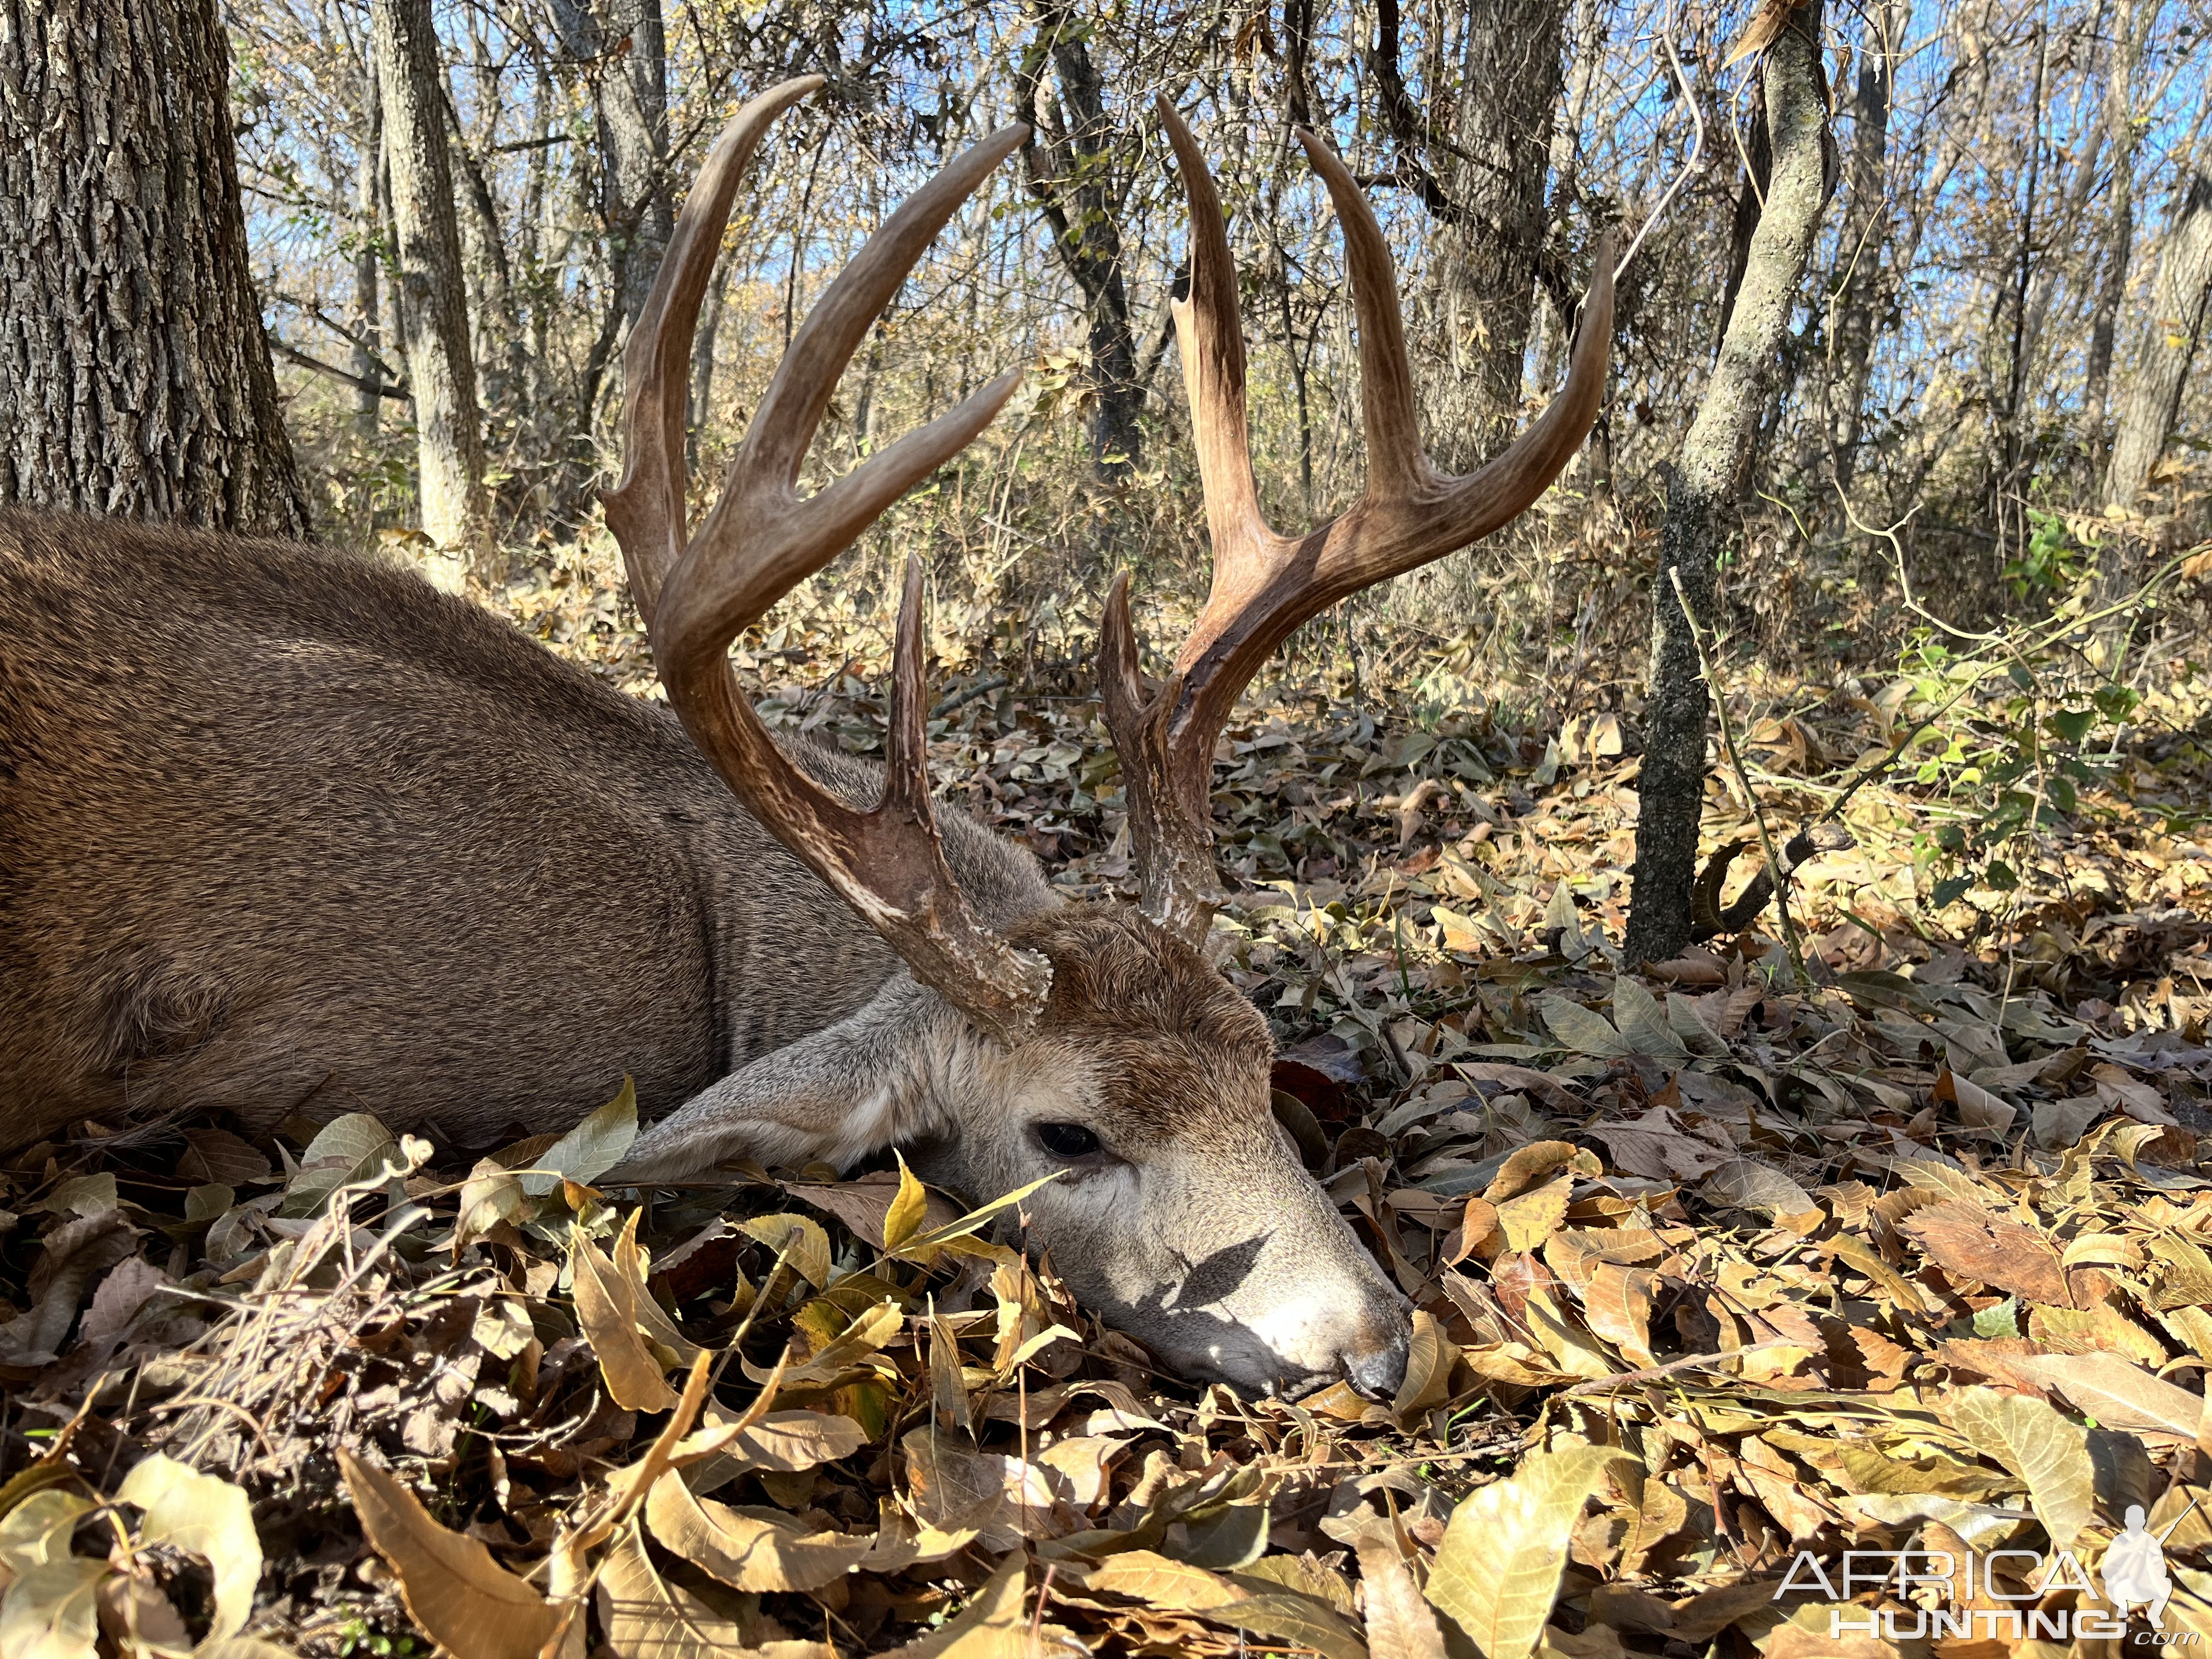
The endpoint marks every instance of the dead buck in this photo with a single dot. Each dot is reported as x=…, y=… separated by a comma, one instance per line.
x=282, y=828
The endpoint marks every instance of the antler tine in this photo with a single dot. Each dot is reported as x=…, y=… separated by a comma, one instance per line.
x=723, y=596
x=1265, y=585
x=1397, y=464
x=761, y=539
x=1210, y=336
x=645, y=510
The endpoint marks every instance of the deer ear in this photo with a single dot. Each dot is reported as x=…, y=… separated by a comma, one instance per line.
x=837, y=1095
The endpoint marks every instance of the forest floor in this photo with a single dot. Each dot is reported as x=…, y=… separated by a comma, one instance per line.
x=1721, y=1270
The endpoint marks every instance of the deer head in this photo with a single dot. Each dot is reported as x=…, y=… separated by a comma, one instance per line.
x=1035, y=1037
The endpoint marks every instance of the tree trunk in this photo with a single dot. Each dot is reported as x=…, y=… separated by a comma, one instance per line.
x=1856, y=288
x=1510, y=99
x=135, y=377
x=368, y=252
x=625, y=43
x=433, y=302
x=1706, y=481
x=1067, y=164
x=2168, y=340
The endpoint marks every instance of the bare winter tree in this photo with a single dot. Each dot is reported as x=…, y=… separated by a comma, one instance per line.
x=1068, y=162
x=433, y=302
x=1708, y=477
x=135, y=377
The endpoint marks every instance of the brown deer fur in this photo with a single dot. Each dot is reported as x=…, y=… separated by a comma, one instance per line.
x=287, y=829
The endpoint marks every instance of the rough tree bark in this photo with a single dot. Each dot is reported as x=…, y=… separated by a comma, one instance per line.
x=368, y=257
x=1857, y=288
x=624, y=44
x=1512, y=78
x=1067, y=162
x=135, y=377
x=1707, y=480
x=432, y=301
x=2168, y=340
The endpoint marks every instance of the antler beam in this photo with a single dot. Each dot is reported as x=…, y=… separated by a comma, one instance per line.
x=698, y=593
x=1265, y=585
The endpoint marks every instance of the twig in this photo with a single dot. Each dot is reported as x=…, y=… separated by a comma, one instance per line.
x=1651, y=1373
x=1689, y=162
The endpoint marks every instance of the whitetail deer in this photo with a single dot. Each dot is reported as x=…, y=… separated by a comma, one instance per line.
x=282, y=828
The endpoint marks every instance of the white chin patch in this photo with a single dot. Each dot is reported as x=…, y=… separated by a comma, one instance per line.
x=1310, y=1331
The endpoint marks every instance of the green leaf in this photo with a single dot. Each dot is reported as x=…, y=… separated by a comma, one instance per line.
x=1496, y=1572
x=2044, y=1448
x=345, y=1150
x=2000, y=876
x=591, y=1149
x=2001, y=1321
x=2073, y=724
x=1951, y=890
x=1583, y=1031
x=2115, y=702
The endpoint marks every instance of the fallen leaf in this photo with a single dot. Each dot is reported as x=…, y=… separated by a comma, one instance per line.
x=467, y=1602
x=2117, y=1393
x=588, y=1151
x=747, y=1549
x=207, y=1516
x=1496, y=1572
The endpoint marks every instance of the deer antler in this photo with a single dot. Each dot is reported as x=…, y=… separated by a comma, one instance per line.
x=1265, y=585
x=699, y=593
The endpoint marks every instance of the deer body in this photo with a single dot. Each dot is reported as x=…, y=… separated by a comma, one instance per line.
x=282, y=829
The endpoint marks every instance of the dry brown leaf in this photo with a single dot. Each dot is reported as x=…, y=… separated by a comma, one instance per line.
x=1970, y=1244
x=1399, y=1623
x=2118, y=1393
x=463, y=1598
x=606, y=1307
x=747, y=1549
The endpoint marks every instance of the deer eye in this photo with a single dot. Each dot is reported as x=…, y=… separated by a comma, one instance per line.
x=1066, y=1139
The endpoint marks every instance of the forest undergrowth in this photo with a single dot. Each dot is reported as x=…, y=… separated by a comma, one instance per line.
x=1880, y=1224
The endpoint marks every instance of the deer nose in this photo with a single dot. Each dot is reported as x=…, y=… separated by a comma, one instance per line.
x=1377, y=1373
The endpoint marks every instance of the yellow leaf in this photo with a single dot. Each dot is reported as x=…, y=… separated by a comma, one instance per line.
x=207, y=1516
x=995, y=1625
x=606, y=1307
x=904, y=1218
x=1429, y=1359
x=1399, y=1623
x=781, y=1443
x=799, y=1239
x=747, y=1549
x=464, y=1600
x=1172, y=1586
x=37, y=1530
x=1529, y=1220
x=1496, y=1572
x=2044, y=1450
x=631, y=1263
x=51, y=1611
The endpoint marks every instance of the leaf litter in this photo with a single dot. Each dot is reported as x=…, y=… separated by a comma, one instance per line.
x=1712, y=1264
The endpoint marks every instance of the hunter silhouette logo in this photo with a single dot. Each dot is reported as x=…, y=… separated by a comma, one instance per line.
x=2134, y=1568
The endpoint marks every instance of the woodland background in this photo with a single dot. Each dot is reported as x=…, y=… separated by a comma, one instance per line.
x=1874, y=1220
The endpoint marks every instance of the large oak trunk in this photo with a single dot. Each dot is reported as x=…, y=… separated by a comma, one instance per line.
x=134, y=375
